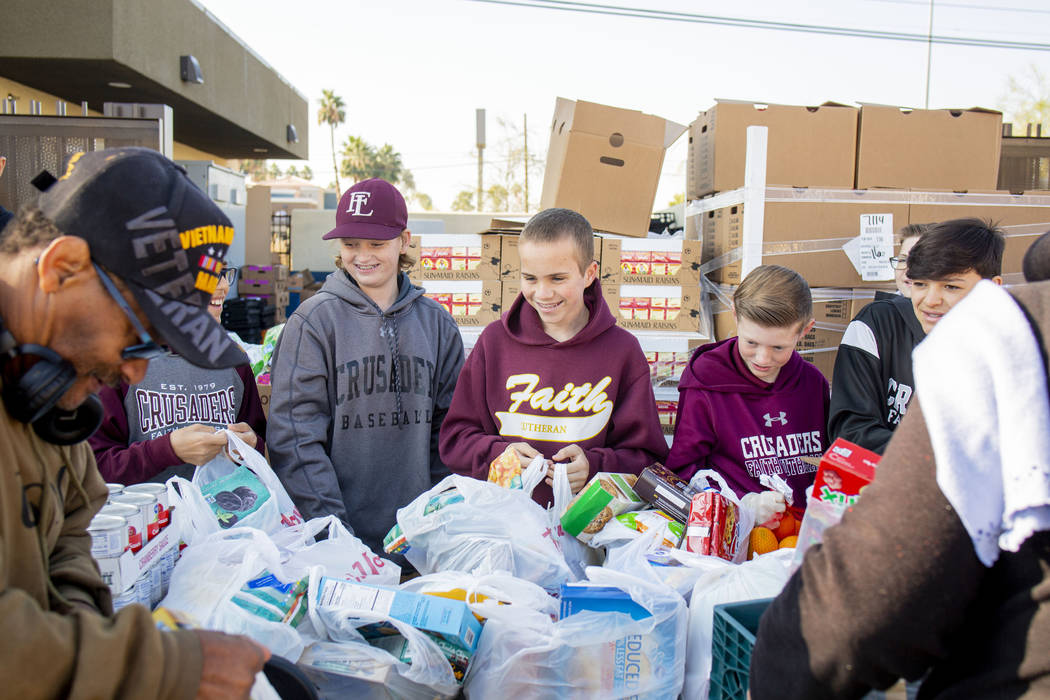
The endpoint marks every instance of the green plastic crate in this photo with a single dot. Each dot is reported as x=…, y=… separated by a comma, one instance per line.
x=733, y=636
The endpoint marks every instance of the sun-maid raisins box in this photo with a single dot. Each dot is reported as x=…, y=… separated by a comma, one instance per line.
x=459, y=256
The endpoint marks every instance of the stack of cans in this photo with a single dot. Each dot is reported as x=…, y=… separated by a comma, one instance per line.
x=133, y=516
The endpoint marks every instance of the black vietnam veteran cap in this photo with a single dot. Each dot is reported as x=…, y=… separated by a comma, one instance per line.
x=147, y=223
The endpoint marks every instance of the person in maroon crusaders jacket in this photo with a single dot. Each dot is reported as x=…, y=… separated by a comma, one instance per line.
x=556, y=376
x=168, y=423
x=750, y=405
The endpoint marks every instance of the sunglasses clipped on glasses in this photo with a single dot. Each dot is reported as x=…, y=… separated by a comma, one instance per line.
x=147, y=348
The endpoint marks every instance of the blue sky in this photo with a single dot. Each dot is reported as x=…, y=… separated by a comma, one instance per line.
x=412, y=72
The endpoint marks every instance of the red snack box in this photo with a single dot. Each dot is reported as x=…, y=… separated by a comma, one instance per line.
x=845, y=469
x=711, y=528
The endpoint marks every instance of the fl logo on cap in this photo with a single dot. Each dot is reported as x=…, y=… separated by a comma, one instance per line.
x=358, y=201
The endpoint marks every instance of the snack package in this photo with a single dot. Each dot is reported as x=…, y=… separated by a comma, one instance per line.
x=272, y=599
x=712, y=526
x=395, y=541
x=235, y=496
x=642, y=521
x=845, y=469
x=397, y=646
x=605, y=496
x=666, y=491
x=505, y=470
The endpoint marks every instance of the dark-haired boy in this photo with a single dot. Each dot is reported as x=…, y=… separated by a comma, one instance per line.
x=555, y=376
x=873, y=381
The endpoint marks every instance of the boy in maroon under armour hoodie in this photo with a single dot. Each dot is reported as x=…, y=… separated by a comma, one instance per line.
x=556, y=376
x=750, y=405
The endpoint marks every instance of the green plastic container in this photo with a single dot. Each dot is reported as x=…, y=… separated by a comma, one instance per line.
x=733, y=636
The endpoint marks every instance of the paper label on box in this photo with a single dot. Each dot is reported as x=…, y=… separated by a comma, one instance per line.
x=341, y=594
x=870, y=252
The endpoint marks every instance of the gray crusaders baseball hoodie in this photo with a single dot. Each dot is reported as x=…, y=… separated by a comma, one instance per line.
x=357, y=401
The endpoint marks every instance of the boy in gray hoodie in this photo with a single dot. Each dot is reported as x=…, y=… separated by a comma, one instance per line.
x=363, y=375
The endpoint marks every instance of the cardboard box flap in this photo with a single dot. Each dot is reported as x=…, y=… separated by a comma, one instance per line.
x=760, y=106
x=605, y=121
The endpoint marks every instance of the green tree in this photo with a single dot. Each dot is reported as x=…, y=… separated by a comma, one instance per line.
x=423, y=201
x=332, y=113
x=1027, y=100
x=292, y=171
x=505, y=166
x=677, y=199
x=274, y=171
x=255, y=169
x=464, y=201
x=307, y=173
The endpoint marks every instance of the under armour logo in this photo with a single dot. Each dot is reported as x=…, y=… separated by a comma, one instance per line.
x=782, y=419
x=358, y=200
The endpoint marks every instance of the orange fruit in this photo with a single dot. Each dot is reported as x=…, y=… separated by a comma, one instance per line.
x=789, y=542
x=762, y=540
x=786, y=527
x=798, y=525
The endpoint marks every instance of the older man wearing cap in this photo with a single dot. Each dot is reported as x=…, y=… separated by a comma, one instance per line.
x=363, y=375
x=119, y=255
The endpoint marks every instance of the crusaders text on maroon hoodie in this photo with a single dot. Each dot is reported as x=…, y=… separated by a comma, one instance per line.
x=731, y=421
x=520, y=385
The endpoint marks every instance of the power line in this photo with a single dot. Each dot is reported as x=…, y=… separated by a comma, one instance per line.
x=742, y=22
x=964, y=6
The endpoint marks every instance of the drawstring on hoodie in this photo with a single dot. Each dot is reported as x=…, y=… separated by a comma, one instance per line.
x=46, y=512
x=389, y=331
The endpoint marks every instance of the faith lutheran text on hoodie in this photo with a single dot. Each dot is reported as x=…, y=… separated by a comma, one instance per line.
x=731, y=421
x=521, y=385
x=352, y=430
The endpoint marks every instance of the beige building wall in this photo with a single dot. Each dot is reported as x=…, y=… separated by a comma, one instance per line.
x=257, y=226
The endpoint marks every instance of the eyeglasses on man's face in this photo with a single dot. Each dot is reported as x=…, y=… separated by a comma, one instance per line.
x=899, y=262
x=230, y=274
x=146, y=348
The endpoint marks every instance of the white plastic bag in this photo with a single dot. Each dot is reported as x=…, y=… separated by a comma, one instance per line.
x=265, y=501
x=578, y=555
x=499, y=589
x=762, y=577
x=647, y=559
x=351, y=667
x=523, y=653
x=342, y=555
x=709, y=478
x=213, y=570
x=491, y=529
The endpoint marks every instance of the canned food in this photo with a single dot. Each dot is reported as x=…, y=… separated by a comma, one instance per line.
x=109, y=536
x=125, y=599
x=144, y=590
x=156, y=583
x=115, y=489
x=160, y=492
x=136, y=522
x=148, y=505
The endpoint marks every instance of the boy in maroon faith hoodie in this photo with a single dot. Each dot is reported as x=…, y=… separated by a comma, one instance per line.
x=556, y=376
x=750, y=405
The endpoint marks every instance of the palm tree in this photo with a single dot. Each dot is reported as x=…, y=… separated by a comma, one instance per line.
x=332, y=113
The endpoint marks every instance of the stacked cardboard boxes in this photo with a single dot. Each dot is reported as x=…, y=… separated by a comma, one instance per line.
x=268, y=283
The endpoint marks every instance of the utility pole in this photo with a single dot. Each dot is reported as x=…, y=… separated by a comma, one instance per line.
x=480, y=131
x=525, y=120
x=929, y=55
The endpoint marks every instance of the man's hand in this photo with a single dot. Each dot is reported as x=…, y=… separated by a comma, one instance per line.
x=230, y=665
x=577, y=466
x=526, y=453
x=197, y=444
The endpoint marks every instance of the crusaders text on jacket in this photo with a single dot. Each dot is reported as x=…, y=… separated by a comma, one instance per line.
x=521, y=385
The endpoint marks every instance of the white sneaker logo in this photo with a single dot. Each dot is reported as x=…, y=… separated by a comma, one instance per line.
x=359, y=200
x=782, y=419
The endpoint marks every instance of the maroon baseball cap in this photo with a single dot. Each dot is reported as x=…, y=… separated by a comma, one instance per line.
x=370, y=209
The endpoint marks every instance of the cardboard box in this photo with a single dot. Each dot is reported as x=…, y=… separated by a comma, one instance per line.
x=264, y=397
x=845, y=469
x=821, y=240
x=650, y=261
x=659, y=308
x=449, y=619
x=807, y=146
x=261, y=287
x=944, y=149
x=1023, y=218
x=605, y=163
x=510, y=259
x=455, y=257
x=120, y=573
x=272, y=273
x=471, y=303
